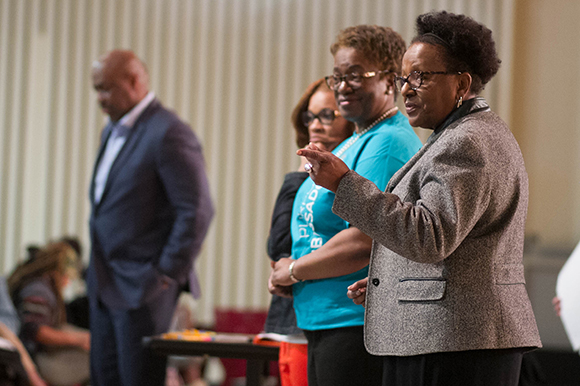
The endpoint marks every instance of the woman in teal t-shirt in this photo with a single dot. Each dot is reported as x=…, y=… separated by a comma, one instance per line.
x=327, y=254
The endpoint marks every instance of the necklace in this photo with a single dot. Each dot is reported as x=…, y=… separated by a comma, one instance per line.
x=354, y=138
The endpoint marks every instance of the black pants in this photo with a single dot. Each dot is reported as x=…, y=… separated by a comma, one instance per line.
x=462, y=368
x=337, y=357
x=117, y=354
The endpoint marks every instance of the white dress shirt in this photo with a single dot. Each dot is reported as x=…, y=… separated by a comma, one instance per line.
x=117, y=138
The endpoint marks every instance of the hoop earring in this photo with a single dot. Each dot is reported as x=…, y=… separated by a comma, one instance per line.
x=459, y=102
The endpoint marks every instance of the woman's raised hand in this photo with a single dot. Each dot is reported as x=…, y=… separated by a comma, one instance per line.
x=326, y=169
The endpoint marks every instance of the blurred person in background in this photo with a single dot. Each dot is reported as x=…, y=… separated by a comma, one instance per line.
x=151, y=210
x=22, y=371
x=36, y=286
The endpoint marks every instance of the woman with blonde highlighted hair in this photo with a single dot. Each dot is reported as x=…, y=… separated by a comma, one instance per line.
x=61, y=352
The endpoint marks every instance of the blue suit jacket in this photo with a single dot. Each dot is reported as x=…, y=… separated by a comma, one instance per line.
x=153, y=215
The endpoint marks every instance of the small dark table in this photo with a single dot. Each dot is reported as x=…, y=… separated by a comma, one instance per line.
x=256, y=356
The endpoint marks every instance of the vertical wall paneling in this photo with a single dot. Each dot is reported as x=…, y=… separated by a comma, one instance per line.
x=280, y=128
x=107, y=30
x=16, y=137
x=233, y=69
x=4, y=133
x=270, y=118
x=60, y=171
x=234, y=144
x=394, y=19
x=317, y=23
x=141, y=25
x=208, y=267
x=5, y=10
x=504, y=30
x=157, y=54
x=38, y=90
x=409, y=11
x=94, y=122
x=174, y=54
x=299, y=36
x=459, y=5
x=265, y=119
x=34, y=132
x=243, y=60
x=379, y=14
x=46, y=114
x=216, y=74
x=127, y=25
x=76, y=135
x=187, y=24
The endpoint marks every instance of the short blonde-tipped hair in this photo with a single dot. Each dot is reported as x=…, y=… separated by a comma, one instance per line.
x=380, y=45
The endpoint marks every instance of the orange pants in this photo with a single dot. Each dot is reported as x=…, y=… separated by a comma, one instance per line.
x=293, y=363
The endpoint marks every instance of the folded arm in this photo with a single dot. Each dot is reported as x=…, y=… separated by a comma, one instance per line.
x=346, y=252
x=49, y=336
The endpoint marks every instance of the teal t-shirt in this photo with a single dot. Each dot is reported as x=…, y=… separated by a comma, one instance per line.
x=376, y=155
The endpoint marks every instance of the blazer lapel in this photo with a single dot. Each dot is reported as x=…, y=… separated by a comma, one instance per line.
x=398, y=176
x=133, y=136
x=104, y=138
x=471, y=106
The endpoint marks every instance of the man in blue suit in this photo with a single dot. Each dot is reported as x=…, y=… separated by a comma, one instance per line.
x=151, y=209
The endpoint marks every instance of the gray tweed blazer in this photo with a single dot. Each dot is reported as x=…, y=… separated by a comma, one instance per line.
x=446, y=270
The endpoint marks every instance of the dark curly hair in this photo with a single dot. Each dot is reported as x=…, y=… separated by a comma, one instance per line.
x=380, y=45
x=468, y=45
x=302, y=134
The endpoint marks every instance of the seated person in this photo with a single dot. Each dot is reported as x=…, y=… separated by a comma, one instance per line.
x=8, y=315
x=75, y=295
x=21, y=371
x=60, y=352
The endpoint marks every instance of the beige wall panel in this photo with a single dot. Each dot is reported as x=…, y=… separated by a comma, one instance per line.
x=546, y=116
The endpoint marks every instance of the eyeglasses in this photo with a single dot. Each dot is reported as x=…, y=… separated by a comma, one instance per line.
x=415, y=78
x=354, y=79
x=325, y=116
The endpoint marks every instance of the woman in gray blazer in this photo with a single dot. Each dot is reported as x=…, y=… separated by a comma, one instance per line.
x=446, y=302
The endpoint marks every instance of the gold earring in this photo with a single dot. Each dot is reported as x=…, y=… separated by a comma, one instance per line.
x=459, y=102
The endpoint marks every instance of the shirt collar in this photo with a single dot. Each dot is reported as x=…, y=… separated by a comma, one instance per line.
x=470, y=106
x=128, y=120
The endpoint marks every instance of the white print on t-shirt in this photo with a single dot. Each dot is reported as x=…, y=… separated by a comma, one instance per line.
x=308, y=215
